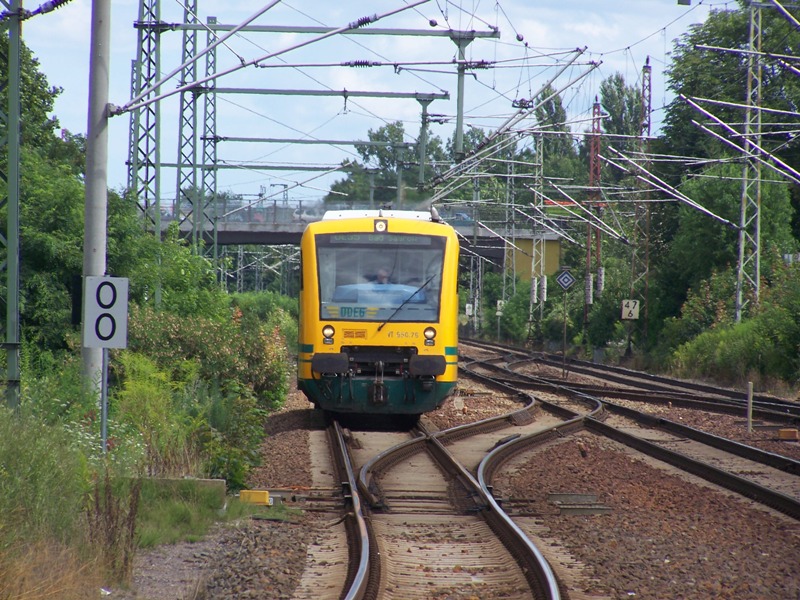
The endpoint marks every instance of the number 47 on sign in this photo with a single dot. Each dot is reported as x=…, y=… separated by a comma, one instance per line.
x=630, y=310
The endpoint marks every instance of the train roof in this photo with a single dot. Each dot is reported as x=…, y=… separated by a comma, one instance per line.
x=415, y=215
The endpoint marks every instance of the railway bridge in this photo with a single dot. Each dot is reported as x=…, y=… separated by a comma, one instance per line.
x=280, y=224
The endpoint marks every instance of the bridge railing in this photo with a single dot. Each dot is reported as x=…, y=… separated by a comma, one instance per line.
x=269, y=214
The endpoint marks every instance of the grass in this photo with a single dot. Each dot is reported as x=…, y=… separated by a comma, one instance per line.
x=44, y=570
x=185, y=511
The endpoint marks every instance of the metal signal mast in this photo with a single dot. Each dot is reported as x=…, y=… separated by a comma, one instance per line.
x=593, y=234
x=9, y=170
x=640, y=260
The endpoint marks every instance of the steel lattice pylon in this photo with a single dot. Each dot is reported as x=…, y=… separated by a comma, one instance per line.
x=538, y=277
x=593, y=234
x=640, y=258
x=195, y=193
x=197, y=182
x=210, y=140
x=186, y=191
x=509, y=256
x=749, y=263
x=144, y=160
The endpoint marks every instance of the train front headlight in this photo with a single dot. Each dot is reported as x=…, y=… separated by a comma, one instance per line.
x=429, y=334
x=327, y=334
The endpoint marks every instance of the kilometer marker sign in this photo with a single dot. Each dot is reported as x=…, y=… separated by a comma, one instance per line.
x=630, y=310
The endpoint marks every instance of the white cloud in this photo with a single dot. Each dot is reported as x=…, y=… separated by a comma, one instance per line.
x=615, y=31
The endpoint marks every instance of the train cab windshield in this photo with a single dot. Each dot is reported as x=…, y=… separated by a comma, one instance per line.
x=380, y=276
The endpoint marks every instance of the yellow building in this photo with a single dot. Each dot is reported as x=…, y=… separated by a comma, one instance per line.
x=524, y=255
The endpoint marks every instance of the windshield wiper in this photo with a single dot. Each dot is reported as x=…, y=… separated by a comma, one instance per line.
x=406, y=301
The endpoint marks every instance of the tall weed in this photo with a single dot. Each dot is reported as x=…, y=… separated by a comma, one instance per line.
x=53, y=389
x=178, y=510
x=111, y=519
x=43, y=481
x=232, y=441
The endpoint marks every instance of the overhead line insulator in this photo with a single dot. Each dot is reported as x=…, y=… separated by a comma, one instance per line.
x=363, y=21
x=361, y=63
x=45, y=8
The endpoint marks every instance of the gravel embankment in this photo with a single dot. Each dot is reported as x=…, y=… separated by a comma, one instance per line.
x=727, y=426
x=665, y=536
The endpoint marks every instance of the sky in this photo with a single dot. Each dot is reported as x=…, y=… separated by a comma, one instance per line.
x=536, y=39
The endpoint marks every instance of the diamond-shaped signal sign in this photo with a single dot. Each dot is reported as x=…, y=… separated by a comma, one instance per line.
x=565, y=279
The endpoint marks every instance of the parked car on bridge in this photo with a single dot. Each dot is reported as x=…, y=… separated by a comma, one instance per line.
x=459, y=218
x=307, y=215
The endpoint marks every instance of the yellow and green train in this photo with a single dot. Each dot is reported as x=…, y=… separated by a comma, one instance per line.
x=378, y=312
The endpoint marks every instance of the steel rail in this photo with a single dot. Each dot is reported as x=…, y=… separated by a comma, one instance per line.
x=610, y=372
x=358, y=579
x=779, y=501
x=534, y=566
x=770, y=459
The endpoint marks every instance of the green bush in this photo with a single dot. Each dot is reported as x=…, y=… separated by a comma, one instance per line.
x=762, y=348
x=233, y=354
x=188, y=427
x=271, y=310
x=146, y=403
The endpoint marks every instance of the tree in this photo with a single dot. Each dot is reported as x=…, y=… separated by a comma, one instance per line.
x=376, y=175
x=698, y=73
x=558, y=151
x=684, y=268
x=622, y=105
x=51, y=205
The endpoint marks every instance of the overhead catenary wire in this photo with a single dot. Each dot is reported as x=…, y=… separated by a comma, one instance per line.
x=133, y=102
x=588, y=216
x=547, y=222
x=663, y=186
x=481, y=151
x=140, y=101
x=765, y=157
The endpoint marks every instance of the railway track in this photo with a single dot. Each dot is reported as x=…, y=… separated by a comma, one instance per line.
x=767, y=477
x=612, y=381
x=437, y=530
x=428, y=500
x=415, y=521
x=763, y=476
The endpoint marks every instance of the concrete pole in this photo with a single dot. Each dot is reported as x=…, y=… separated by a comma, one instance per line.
x=423, y=142
x=462, y=44
x=96, y=210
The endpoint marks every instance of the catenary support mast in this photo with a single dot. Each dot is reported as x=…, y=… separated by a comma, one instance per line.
x=10, y=127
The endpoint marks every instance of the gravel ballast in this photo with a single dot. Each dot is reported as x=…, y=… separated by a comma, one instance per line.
x=664, y=537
